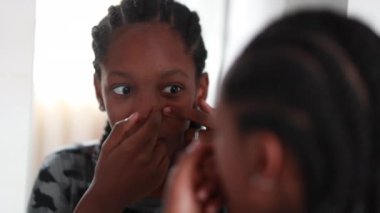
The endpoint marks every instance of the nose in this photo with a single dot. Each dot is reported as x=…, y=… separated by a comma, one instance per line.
x=148, y=101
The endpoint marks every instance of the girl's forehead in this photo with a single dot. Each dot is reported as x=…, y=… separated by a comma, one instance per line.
x=148, y=32
x=146, y=48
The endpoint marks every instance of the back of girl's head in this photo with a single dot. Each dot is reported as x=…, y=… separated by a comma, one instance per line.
x=130, y=12
x=294, y=85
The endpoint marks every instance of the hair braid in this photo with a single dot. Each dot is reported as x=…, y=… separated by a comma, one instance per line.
x=364, y=51
x=352, y=117
x=324, y=171
x=354, y=112
x=129, y=12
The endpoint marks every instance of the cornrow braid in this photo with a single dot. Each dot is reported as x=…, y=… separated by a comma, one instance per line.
x=353, y=113
x=129, y=12
x=363, y=47
x=321, y=149
x=346, y=128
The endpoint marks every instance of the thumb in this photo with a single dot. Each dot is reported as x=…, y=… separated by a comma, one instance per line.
x=181, y=188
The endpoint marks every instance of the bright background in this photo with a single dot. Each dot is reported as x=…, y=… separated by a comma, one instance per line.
x=46, y=92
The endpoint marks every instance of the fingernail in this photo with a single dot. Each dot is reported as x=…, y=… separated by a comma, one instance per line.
x=190, y=148
x=167, y=110
x=131, y=116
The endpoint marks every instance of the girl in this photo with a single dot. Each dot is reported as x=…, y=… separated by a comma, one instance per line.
x=149, y=54
x=298, y=124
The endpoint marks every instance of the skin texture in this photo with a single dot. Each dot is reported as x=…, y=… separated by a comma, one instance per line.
x=146, y=68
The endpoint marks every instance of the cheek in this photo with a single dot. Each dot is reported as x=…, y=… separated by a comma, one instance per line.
x=175, y=127
x=117, y=110
x=185, y=102
x=233, y=175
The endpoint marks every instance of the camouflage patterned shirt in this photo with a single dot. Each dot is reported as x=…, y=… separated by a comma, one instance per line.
x=65, y=176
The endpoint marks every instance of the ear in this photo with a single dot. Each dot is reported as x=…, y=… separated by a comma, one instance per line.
x=98, y=91
x=265, y=158
x=202, y=88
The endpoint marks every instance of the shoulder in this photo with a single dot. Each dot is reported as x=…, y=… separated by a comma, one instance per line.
x=63, y=178
x=75, y=162
x=76, y=151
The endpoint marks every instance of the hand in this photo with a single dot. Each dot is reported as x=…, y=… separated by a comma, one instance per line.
x=132, y=164
x=193, y=185
x=204, y=116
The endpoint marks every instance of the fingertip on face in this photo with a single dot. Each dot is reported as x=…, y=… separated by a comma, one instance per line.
x=134, y=117
x=167, y=110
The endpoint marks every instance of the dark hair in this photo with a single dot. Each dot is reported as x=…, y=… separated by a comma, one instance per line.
x=129, y=12
x=286, y=73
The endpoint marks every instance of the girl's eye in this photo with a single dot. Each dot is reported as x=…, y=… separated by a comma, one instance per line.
x=172, y=89
x=122, y=90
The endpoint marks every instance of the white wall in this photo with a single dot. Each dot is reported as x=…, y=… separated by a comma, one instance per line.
x=249, y=17
x=212, y=16
x=337, y=5
x=16, y=62
x=246, y=19
x=367, y=11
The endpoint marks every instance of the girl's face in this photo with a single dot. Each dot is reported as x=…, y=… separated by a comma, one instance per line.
x=230, y=157
x=147, y=66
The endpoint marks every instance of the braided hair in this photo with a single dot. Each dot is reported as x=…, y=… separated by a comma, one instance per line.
x=284, y=69
x=129, y=12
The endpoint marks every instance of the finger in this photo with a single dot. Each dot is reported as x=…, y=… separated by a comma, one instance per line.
x=205, y=136
x=191, y=160
x=205, y=107
x=183, y=175
x=181, y=190
x=190, y=114
x=213, y=206
x=203, y=193
x=119, y=132
x=210, y=184
x=207, y=190
x=189, y=136
x=146, y=136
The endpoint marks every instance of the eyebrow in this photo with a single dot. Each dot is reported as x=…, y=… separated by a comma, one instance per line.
x=174, y=72
x=166, y=74
x=119, y=73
